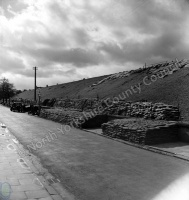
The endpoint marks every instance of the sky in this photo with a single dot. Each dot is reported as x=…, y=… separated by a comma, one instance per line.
x=69, y=40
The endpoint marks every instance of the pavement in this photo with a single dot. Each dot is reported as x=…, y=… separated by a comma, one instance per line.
x=179, y=150
x=19, y=178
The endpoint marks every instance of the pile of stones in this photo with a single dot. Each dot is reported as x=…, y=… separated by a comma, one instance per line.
x=140, y=131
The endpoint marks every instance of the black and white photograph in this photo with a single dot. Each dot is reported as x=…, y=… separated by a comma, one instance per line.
x=94, y=99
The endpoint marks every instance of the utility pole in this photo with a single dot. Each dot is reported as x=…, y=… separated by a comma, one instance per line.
x=35, y=69
x=39, y=96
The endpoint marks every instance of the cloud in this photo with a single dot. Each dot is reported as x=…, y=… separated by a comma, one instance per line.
x=70, y=40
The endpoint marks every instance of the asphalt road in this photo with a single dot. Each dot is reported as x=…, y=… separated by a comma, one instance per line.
x=93, y=167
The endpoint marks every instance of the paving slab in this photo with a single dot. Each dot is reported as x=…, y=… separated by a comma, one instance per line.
x=20, y=180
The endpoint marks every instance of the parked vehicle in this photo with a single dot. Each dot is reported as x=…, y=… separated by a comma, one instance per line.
x=21, y=107
x=27, y=108
x=34, y=110
x=17, y=106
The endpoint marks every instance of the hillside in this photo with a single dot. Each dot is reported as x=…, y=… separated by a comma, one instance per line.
x=171, y=86
x=70, y=90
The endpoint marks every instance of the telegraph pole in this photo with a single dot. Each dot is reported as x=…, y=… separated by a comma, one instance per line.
x=35, y=69
x=39, y=96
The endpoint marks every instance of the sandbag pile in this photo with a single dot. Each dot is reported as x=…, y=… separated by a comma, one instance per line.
x=140, y=131
x=72, y=118
x=77, y=104
x=166, y=112
x=146, y=110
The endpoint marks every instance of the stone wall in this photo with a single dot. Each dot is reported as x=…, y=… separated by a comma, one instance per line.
x=140, y=131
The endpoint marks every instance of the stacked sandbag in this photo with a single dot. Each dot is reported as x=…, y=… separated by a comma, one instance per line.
x=77, y=104
x=167, y=112
x=122, y=132
x=72, y=118
x=146, y=110
x=142, y=131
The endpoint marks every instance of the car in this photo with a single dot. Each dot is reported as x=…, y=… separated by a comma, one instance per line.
x=34, y=110
x=17, y=106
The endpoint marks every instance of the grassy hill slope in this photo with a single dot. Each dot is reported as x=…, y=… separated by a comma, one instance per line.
x=172, y=89
x=70, y=90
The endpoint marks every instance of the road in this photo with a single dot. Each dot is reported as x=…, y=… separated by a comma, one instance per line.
x=94, y=167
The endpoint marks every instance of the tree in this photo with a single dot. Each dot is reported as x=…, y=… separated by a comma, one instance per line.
x=6, y=89
x=18, y=92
